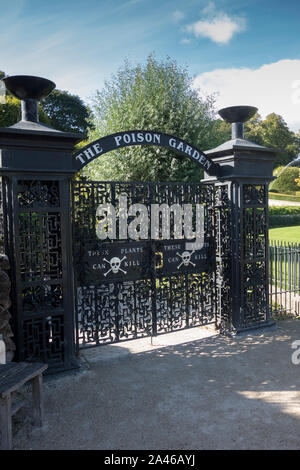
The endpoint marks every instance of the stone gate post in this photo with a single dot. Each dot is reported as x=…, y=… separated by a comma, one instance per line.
x=242, y=226
x=35, y=171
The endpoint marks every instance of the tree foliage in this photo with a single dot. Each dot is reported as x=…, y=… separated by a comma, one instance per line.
x=157, y=96
x=273, y=132
x=67, y=112
x=270, y=132
x=286, y=179
x=253, y=130
x=60, y=110
x=221, y=132
x=10, y=112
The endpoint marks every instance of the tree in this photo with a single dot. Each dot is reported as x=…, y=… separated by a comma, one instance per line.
x=221, y=132
x=286, y=180
x=67, y=112
x=253, y=130
x=157, y=96
x=10, y=112
x=275, y=133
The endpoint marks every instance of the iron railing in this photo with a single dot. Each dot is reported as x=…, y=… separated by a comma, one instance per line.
x=284, y=278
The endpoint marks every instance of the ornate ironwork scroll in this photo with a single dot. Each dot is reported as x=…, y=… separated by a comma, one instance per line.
x=36, y=228
x=40, y=270
x=223, y=234
x=129, y=289
x=1, y=217
x=254, y=253
x=4, y=217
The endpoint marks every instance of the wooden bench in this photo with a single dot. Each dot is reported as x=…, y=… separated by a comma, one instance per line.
x=12, y=377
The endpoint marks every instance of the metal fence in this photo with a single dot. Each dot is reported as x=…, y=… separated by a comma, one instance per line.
x=284, y=278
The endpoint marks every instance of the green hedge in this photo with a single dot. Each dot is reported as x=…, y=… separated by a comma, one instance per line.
x=284, y=210
x=284, y=221
x=286, y=181
x=291, y=193
x=284, y=216
x=284, y=197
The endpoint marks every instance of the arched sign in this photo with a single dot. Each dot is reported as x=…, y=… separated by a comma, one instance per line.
x=128, y=138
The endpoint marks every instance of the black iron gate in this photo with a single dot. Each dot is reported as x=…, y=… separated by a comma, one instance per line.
x=127, y=288
x=132, y=288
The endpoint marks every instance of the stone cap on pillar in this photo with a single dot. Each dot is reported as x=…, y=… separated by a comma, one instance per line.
x=30, y=145
x=239, y=157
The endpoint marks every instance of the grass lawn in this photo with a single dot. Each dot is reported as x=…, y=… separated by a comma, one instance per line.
x=285, y=234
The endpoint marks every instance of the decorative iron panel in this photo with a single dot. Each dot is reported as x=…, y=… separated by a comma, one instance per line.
x=37, y=242
x=1, y=216
x=254, y=253
x=223, y=230
x=132, y=288
x=5, y=220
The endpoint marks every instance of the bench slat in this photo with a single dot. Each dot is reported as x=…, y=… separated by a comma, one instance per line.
x=15, y=374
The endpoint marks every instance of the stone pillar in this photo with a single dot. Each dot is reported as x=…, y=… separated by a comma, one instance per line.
x=242, y=226
x=36, y=169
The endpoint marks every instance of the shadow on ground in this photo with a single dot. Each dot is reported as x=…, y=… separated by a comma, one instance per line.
x=211, y=393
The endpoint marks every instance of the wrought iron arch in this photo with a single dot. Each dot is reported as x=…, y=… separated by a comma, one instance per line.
x=143, y=137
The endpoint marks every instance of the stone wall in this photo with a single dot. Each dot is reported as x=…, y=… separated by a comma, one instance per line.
x=5, y=328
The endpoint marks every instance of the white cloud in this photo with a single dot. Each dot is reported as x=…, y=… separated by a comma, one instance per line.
x=185, y=41
x=217, y=26
x=177, y=16
x=271, y=88
x=210, y=9
x=221, y=29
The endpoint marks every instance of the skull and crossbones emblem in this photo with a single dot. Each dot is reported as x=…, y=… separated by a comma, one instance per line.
x=115, y=265
x=186, y=258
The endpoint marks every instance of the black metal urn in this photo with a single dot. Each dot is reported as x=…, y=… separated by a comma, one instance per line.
x=30, y=90
x=237, y=115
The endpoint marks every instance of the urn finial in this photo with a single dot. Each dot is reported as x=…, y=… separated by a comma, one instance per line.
x=237, y=115
x=30, y=90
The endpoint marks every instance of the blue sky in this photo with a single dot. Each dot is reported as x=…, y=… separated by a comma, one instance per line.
x=246, y=51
